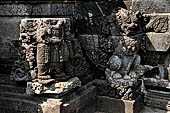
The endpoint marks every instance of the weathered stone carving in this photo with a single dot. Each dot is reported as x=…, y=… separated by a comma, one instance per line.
x=123, y=67
x=98, y=49
x=129, y=22
x=20, y=70
x=52, y=55
x=28, y=30
x=24, y=9
x=159, y=24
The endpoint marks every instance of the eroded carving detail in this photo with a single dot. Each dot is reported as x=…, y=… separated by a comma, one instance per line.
x=129, y=22
x=52, y=54
x=159, y=24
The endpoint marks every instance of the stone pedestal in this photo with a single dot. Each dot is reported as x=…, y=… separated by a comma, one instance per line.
x=81, y=100
x=112, y=105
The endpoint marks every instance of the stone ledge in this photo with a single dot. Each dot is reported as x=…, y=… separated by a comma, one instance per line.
x=159, y=100
x=157, y=83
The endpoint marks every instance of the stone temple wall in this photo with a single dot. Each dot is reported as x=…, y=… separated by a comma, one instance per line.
x=11, y=13
x=156, y=8
x=13, y=98
x=88, y=18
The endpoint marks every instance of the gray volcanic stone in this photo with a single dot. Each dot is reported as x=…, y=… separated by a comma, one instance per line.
x=9, y=33
x=112, y=105
x=151, y=6
x=157, y=41
x=24, y=9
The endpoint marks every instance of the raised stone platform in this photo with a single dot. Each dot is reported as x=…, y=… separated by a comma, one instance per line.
x=80, y=101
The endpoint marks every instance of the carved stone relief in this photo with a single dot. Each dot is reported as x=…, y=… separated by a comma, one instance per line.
x=50, y=54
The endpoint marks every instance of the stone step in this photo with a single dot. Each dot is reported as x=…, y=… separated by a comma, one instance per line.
x=159, y=100
x=111, y=105
x=14, y=100
x=18, y=105
x=12, y=89
x=24, y=103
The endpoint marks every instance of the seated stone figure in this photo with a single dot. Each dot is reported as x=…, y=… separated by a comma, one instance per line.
x=123, y=64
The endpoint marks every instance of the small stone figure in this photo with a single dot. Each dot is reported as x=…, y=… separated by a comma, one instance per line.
x=122, y=65
x=124, y=68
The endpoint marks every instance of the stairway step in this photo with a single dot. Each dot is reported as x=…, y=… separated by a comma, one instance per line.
x=12, y=104
x=12, y=89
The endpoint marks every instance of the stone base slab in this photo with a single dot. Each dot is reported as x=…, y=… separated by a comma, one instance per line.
x=112, y=105
x=81, y=100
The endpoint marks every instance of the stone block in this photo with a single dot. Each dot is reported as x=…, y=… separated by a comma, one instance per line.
x=9, y=28
x=11, y=88
x=50, y=106
x=85, y=9
x=18, y=105
x=93, y=26
x=5, y=78
x=102, y=8
x=151, y=6
x=41, y=9
x=22, y=9
x=5, y=69
x=62, y=9
x=112, y=105
x=153, y=82
x=15, y=9
x=9, y=35
x=157, y=99
x=80, y=102
x=157, y=41
x=87, y=108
